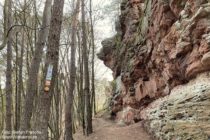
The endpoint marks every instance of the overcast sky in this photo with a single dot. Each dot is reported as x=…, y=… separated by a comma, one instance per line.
x=104, y=29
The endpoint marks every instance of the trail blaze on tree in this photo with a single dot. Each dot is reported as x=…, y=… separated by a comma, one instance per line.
x=48, y=56
x=51, y=64
x=48, y=78
x=32, y=82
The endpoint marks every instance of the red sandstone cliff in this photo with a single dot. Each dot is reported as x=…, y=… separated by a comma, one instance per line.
x=159, y=45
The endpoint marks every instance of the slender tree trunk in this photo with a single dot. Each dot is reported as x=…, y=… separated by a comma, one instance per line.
x=35, y=21
x=93, y=100
x=57, y=99
x=88, y=116
x=20, y=84
x=16, y=82
x=51, y=65
x=69, y=98
x=9, y=71
x=5, y=26
x=32, y=83
x=27, y=63
x=2, y=108
x=81, y=102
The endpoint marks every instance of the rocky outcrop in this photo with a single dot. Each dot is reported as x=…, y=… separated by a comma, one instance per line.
x=159, y=45
x=184, y=114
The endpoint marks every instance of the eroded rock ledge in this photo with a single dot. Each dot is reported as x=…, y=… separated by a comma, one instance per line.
x=159, y=45
x=184, y=114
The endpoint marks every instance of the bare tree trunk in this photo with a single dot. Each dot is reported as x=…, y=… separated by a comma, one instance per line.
x=69, y=98
x=2, y=108
x=32, y=83
x=88, y=116
x=16, y=81
x=9, y=70
x=35, y=21
x=57, y=99
x=81, y=97
x=50, y=71
x=20, y=84
x=93, y=100
x=5, y=25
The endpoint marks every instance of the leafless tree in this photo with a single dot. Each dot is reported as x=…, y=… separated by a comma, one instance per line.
x=70, y=94
x=88, y=113
x=50, y=70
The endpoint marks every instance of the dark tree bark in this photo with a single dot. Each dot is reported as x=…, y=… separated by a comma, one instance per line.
x=20, y=83
x=32, y=83
x=88, y=115
x=16, y=82
x=2, y=109
x=5, y=25
x=93, y=102
x=52, y=57
x=70, y=94
x=81, y=97
x=8, y=118
x=57, y=100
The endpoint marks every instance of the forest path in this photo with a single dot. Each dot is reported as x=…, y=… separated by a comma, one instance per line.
x=109, y=130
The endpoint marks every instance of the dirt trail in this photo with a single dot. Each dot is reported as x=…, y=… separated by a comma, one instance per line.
x=108, y=130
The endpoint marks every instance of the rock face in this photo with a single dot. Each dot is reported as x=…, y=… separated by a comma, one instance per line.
x=184, y=114
x=159, y=45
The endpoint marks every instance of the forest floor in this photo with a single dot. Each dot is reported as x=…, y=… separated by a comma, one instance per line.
x=105, y=129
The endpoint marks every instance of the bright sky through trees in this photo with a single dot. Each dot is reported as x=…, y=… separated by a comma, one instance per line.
x=103, y=25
